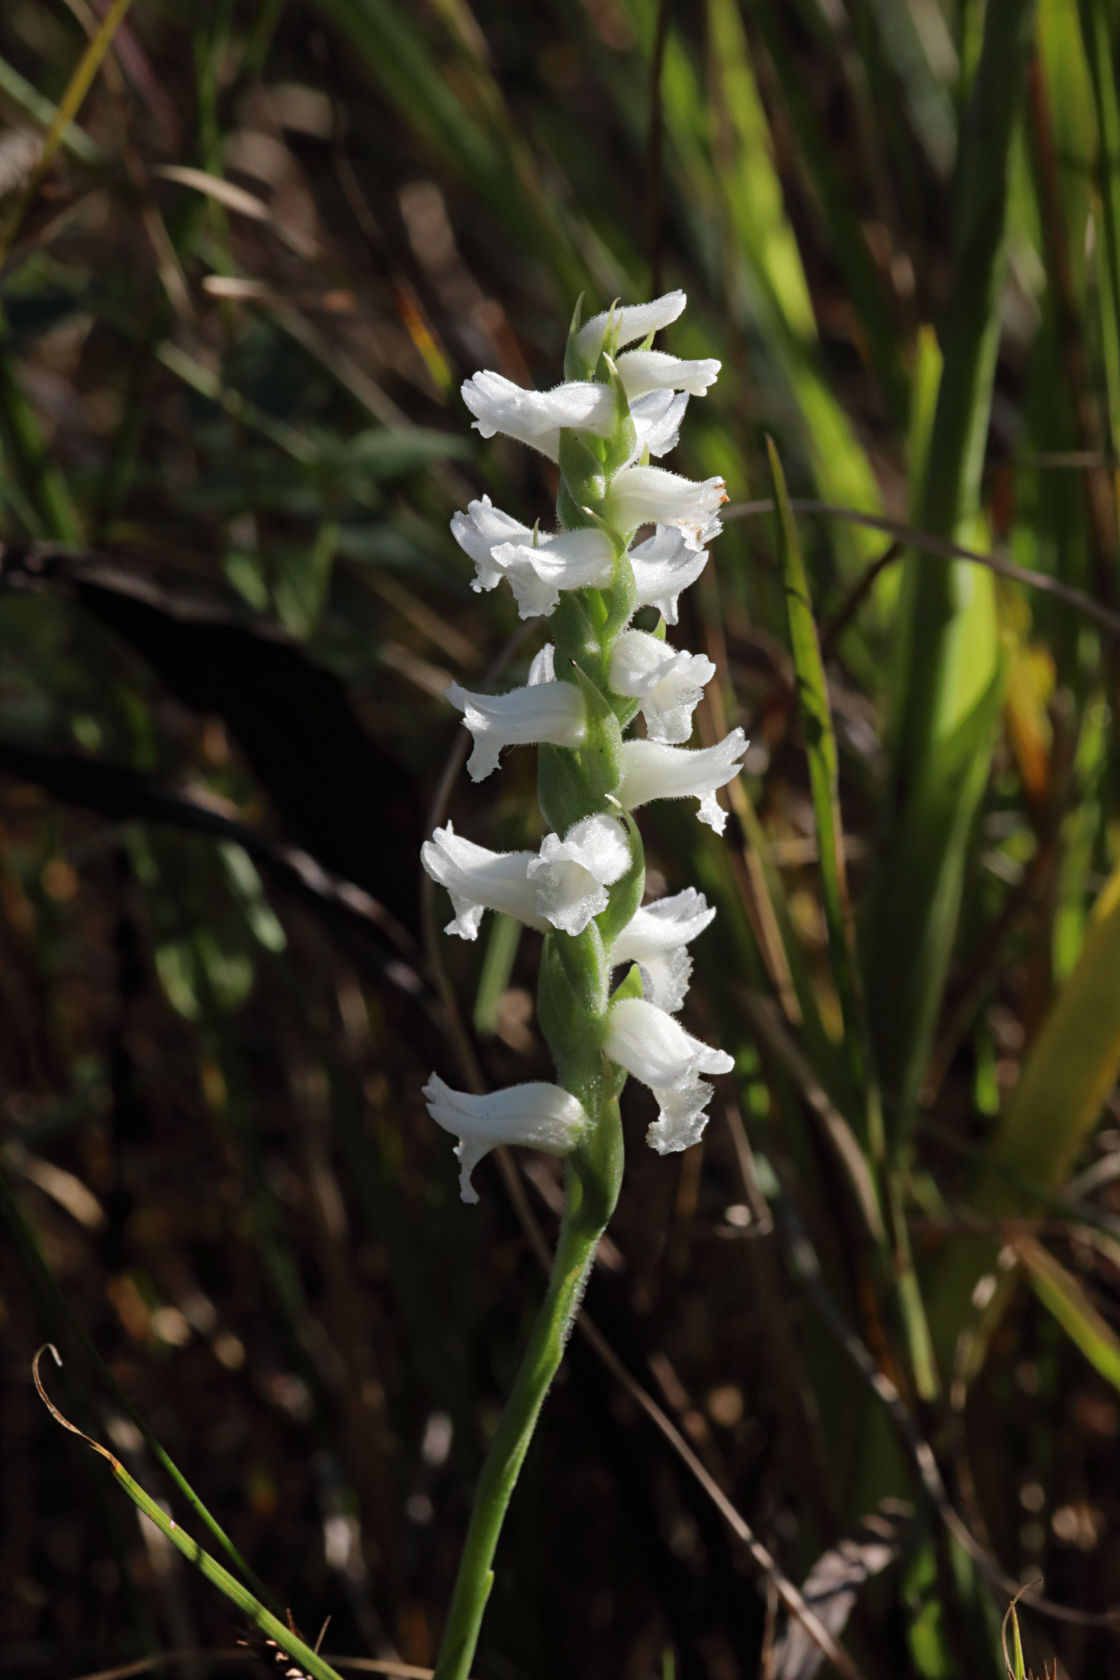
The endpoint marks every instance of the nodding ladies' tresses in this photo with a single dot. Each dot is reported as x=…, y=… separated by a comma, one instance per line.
x=613, y=971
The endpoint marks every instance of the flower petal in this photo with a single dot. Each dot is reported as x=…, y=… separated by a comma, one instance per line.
x=668, y=682
x=572, y=875
x=656, y=1049
x=635, y=320
x=664, y=566
x=650, y=495
x=537, y=572
x=479, y=879
x=538, y=1115
x=653, y=771
x=536, y=417
x=657, y=937
x=544, y=711
x=653, y=370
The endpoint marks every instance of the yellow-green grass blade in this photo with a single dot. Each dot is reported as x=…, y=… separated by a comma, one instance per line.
x=1068, y=1073
x=1065, y=1298
x=69, y=106
x=811, y=688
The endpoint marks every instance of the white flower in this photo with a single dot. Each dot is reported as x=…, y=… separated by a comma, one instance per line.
x=656, y=1049
x=636, y=320
x=668, y=682
x=653, y=370
x=539, y=1115
x=538, y=570
x=664, y=566
x=479, y=531
x=536, y=417
x=652, y=771
x=650, y=495
x=543, y=711
x=656, y=938
x=564, y=884
x=572, y=875
x=537, y=564
x=479, y=879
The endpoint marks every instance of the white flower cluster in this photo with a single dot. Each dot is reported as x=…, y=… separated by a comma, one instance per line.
x=564, y=884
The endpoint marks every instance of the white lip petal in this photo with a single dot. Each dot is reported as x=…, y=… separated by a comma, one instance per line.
x=632, y=321
x=668, y=682
x=656, y=938
x=538, y=1115
x=536, y=417
x=657, y=422
x=572, y=875
x=653, y=771
x=478, y=531
x=543, y=711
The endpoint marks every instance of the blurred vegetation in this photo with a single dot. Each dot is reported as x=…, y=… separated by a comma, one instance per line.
x=249, y=254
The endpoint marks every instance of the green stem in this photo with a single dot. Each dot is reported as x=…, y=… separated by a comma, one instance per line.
x=585, y=1220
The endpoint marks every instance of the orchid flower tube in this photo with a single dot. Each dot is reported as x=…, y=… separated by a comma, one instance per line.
x=609, y=705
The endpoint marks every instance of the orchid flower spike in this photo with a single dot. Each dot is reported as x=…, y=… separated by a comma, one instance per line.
x=619, y=408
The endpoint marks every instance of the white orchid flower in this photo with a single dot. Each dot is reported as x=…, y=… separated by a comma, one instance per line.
x=633, y=321
x=664, y=566
x=655, y=1048
x=563, y=885
x=572, y=875
x=668, y=682
x=650, y=495
x=537, y=1115
x=537, y=417
x=537, y=570
x=652, y=771
x=542, y=711
x=653, y=370
x=478, y=879
x=657, y=938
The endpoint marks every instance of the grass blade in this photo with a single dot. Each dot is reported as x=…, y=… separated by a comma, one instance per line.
x=208, y=1567
x=948, y=670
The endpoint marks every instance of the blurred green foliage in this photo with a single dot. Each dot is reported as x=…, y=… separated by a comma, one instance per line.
x=237, y=300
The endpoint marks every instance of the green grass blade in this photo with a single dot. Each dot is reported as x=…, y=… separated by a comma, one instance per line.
x=208, y=1567
x=43, y=1280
